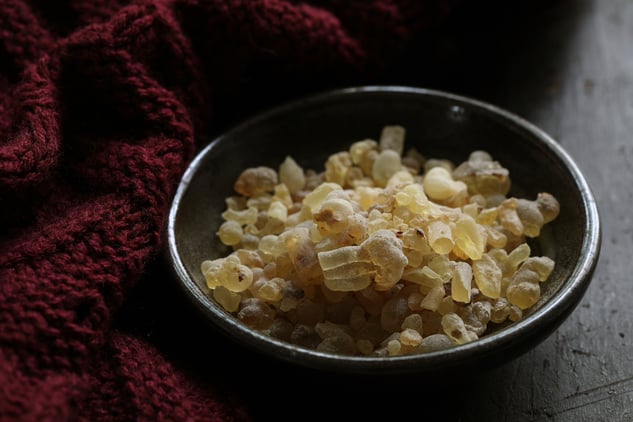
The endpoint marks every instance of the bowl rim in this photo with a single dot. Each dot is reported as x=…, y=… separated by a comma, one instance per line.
x=547, y=318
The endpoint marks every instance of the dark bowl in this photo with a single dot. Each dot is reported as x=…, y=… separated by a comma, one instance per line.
x=440, y=125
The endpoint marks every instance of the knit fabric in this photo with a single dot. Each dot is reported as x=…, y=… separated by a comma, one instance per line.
x=102, y=105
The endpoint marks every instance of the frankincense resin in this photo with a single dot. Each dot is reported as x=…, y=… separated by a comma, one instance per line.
x=384, y=252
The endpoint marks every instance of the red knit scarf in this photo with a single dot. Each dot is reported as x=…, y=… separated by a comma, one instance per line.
x=102, y=104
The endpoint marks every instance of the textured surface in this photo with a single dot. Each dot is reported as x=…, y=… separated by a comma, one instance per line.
x=568, y=68
x=90, y=326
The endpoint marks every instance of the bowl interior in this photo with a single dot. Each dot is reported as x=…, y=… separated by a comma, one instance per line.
x=439, y=125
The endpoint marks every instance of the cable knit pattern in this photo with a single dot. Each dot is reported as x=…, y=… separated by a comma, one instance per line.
x=101, y=106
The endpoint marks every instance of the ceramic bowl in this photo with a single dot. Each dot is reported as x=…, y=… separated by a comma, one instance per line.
x=438, y=124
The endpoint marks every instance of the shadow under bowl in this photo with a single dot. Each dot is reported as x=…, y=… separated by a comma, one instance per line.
x=438, y=124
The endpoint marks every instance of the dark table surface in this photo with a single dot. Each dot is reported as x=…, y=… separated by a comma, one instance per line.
x=567, y=66
x=569, y=69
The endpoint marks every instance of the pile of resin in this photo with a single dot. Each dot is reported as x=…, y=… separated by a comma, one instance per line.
x=382, y=253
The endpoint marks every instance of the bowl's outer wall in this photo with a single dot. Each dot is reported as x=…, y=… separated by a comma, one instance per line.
x=439, y=126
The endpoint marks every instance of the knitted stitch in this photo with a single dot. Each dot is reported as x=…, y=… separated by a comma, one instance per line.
x=101, y=106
